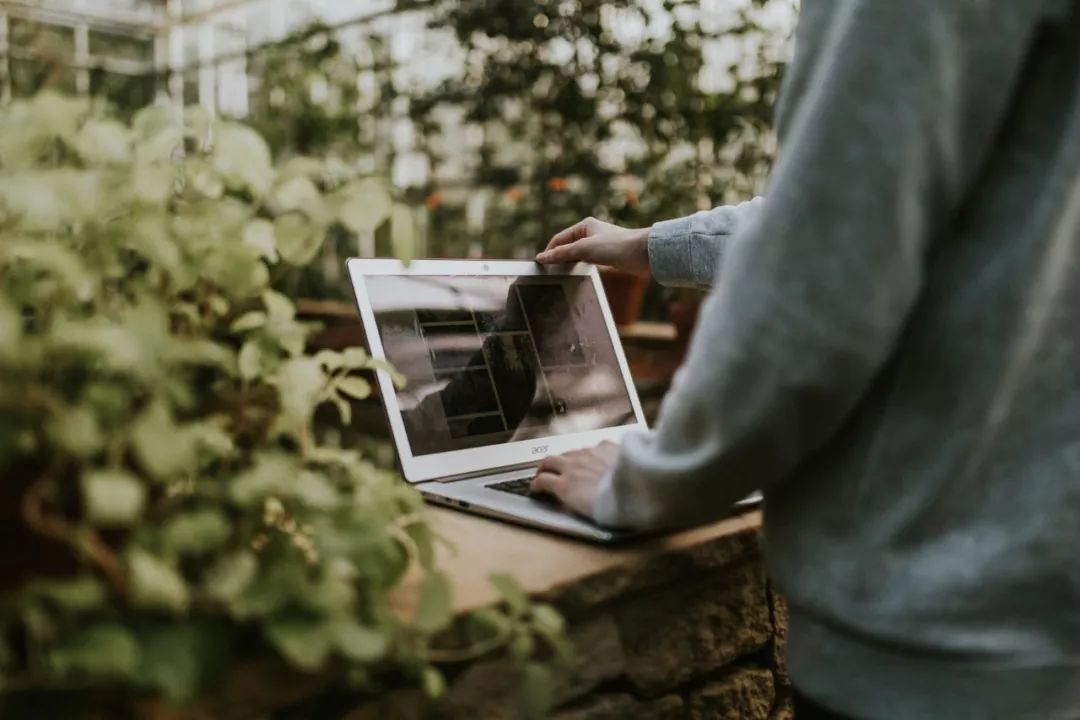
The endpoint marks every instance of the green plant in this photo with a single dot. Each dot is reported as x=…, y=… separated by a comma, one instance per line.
x=581, y=109
x=173, y=512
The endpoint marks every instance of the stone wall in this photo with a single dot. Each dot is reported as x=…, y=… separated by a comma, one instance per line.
x=695, y=634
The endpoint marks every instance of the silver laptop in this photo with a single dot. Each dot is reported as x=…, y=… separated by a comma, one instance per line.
x=505, y=362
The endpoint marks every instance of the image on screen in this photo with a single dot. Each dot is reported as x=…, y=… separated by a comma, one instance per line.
x=498, y=359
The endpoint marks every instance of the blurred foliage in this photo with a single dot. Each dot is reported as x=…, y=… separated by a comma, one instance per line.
x=553, y=90
x=167, y=511
x=305, y=97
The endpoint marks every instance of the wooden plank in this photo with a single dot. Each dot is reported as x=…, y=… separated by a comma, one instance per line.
x=543, y=562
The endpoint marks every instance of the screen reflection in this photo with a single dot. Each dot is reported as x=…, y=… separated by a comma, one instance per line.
x=498, y=359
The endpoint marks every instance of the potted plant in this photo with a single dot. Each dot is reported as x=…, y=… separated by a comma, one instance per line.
x=181, y=527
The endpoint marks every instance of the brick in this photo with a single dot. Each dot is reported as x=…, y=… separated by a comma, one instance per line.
x=780, y=628
x=598, y=656
x=742, y=695
x=487, y=689
x=589, y=593
x=677, y=633
x=784, y=708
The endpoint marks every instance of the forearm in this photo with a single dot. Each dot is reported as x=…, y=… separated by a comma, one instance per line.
x=687, y=251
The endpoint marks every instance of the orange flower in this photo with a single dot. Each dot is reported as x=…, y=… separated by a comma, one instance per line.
x=433, y=200
x=558, y=184
x=631, y=198
x=514, y=194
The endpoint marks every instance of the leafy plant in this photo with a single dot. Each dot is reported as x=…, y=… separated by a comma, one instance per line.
x=168, y=510
x=581, y=109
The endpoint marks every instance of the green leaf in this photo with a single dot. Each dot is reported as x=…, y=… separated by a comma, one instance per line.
x=156, y=585
x=433, y=607
x=283, y=583
x=197, y=123
x=279, y=307
x=197, y=532
x=432, y=682
x=251, y=360
x=359, y=643
x=161, y=448
x=344, y=409
x=331, y=360
x=297, y=239
x=77, y=594
x=151, y=120
x=548, y=621
x=248, y=321
x=65, y=265
x=354, y=358
x=521, y=647
x=77, y=431
x=10, y=329
x=364, y=205
x=305, y=642
x=200, y=351
x=511, y=592
x=314, y=490
x=103, y=649
x=259, y=234
x=486, y=623
x=159, y=147
x=182, y=660
x=537, y=691
x=299, y=382
x=154, y=184
x=272, y=474
x=104, y=142
x=236, y=269
x=297, y=194
x=112, y=498
x=356, y=387
x=242, y=158
x=231, y=575
x=403, y=233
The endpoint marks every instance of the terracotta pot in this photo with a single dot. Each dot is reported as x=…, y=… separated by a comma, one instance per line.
x=625, y=293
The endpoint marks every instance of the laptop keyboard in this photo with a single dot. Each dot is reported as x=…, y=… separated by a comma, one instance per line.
x=516, y=487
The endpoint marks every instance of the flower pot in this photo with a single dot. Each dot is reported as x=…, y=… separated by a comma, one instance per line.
x=625, y=293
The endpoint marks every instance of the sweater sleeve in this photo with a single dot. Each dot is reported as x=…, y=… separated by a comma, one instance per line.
x=896, y=104
x=686, y=252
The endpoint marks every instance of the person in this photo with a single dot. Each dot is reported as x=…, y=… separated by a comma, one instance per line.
x=891, y=351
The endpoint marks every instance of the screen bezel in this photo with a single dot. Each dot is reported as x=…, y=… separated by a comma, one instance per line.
x=444, y=465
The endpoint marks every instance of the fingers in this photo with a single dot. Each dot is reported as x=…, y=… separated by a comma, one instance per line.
x=553, y=463
x=575, y=232
x=548, y=482
x=572, y=252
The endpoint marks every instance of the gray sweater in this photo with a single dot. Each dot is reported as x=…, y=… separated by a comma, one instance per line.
x=892, y=352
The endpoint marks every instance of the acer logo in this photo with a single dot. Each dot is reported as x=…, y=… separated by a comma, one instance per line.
x=539, y=449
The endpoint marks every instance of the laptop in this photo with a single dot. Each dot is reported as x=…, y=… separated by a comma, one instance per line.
x=505, y=363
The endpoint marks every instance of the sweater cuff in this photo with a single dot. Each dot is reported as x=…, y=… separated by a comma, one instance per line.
x=669, y=251
x=605, y=508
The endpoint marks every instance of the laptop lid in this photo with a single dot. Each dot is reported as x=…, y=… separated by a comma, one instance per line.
x=505, y=361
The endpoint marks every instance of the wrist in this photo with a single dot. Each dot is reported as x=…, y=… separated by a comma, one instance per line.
x=640, y=240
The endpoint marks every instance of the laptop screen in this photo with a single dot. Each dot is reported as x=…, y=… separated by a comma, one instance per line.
x=494, y=359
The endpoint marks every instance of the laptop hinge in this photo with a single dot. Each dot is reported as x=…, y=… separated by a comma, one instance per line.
x=483, y=473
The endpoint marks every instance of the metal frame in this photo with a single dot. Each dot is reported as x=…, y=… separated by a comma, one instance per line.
x=457, y=464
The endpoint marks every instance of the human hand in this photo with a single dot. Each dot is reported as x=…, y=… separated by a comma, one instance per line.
x=574, y=477
x=600, y=243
